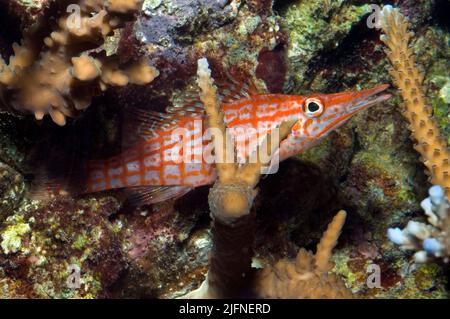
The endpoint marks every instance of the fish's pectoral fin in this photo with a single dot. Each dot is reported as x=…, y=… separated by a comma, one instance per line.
x=147, y=195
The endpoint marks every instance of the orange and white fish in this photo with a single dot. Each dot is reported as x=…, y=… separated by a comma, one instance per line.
x=148, y=168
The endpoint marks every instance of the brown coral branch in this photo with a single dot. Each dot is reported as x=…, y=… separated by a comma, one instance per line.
x=307, y=276
x=407, y=77
x=329, y=241
x=230, y=201
x=60, y=76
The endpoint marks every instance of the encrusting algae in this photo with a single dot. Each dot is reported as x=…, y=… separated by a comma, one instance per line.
x=59, y=73
x=409, y=79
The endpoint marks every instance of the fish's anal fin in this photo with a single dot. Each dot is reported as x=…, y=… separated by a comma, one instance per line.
x=147, y=195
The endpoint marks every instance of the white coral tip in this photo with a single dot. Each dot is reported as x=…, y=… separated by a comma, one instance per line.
x=436, y=194
x=203, y=64
x=426, y=205
x=417, y=229
x=397, y=236
x=420, y=257
x=387, y=9
x=432, y=246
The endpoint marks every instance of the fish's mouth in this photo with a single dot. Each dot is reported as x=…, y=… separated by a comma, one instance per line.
x=367, y=98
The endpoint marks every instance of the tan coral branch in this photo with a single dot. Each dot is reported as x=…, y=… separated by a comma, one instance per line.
x=208, y=95
x=306, y=277
x=407, y=77
x=251, y=172
x=329, y=241
x=59, y=77
x=230, y=201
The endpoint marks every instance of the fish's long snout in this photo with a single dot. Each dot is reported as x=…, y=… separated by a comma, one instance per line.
x=364, y=99
x=342, y=106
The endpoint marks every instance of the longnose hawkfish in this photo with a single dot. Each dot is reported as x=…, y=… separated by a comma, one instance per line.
x=149, y=170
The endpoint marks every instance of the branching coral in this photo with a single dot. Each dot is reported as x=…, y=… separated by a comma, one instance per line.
x=430, y=144
x=429, y=240
x=230, y=202
x=308, y=275
x=60, y=75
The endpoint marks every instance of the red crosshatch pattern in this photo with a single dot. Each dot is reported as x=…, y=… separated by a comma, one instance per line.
x=150, y=162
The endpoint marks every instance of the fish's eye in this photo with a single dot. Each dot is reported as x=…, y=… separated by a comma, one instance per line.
x=313, y=107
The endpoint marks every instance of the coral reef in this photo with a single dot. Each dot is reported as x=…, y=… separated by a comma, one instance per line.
x=307, y=277
x=316, y=26
x=56, y=74
x=42, y=247
x=430, y=240
x=118, y=256
x=368, y=167
x=12, y=190
x=430, y=144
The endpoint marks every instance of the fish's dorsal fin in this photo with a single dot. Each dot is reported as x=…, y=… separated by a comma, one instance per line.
x=145, y=123
x=141, y=124
x=190, y=102
x=147, y=195
x=230, y=89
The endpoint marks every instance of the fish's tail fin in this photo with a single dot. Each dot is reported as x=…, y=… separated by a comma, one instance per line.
x=55, y=173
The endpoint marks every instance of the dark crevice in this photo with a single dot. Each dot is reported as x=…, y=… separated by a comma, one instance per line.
x=280, y=6
x=10, y=31
x=356, y=148
x=440, y=14
x=358, y=45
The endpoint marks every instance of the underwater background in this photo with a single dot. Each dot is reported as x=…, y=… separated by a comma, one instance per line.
x=368, y=167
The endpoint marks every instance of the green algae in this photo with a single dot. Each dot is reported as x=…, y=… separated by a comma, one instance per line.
x=58, y=239
x=425, y=281
x=13, y=233
x=314, y=26
x=433, y=53
x=151, y=4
